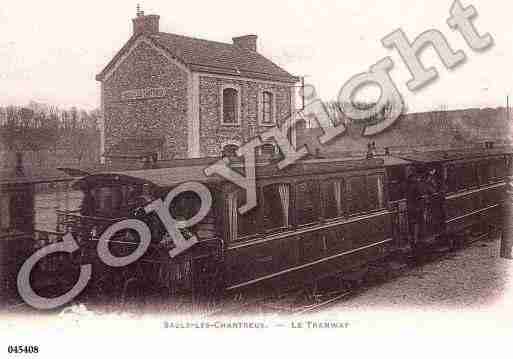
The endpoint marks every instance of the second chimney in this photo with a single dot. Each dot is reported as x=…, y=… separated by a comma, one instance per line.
x=247, y=42
x=147, y=24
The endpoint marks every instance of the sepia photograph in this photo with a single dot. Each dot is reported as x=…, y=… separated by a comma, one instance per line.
x=177, y=175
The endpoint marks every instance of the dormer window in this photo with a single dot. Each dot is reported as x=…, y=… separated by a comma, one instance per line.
x=267, y=109
x=230, y=106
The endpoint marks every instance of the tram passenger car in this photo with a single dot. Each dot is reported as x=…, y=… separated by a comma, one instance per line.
x=20, y=236
x=468, y=196
x=313, y=219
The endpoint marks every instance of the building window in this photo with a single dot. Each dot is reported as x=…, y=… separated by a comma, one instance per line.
x=268, y=108
x=230, y=106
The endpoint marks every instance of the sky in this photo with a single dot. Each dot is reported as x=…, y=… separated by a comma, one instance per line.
x=50, y=51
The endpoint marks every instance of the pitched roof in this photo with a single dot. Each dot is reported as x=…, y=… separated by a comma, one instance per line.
x=135, y=147
x=444, y=156
x=32, y=175
x=212, y=57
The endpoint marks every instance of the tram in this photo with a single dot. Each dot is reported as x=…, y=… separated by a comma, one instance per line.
x=316, y=218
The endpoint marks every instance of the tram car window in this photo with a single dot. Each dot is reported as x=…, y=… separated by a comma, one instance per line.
x=307, y=202
x=500, y=169
x=108, y=201
x=332, y=198
x=364, y=194
x=396, y=183
x=484, y=172
x=356, y=195
x=469, y=173
x=375, y=195
x=276, y=205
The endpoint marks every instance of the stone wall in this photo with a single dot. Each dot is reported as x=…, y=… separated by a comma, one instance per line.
x=163, y=117
x=213, y=134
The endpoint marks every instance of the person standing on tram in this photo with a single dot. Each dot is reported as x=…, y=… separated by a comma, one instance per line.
x=413, y=198
x=431, y=184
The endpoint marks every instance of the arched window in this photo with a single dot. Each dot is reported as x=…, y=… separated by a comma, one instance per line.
x=267, y=108
x=230, y=106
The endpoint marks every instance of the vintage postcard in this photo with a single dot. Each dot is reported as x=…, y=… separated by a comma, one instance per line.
x=327, y=178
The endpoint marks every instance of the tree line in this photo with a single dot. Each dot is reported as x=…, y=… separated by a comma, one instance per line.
x=39, y=127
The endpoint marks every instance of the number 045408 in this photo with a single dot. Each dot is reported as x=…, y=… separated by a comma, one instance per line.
x=23, y=349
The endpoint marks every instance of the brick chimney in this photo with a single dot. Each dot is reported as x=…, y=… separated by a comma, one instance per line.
x=147, y=24
x=247, y=42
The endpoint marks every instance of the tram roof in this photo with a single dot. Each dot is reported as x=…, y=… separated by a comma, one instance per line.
x=451, y=155
x=172, y=176
x=33, y=175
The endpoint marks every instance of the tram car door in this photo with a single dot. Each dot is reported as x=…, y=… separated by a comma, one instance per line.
x=425, y=203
